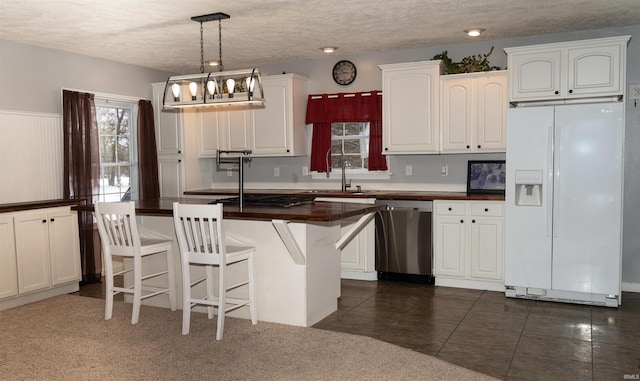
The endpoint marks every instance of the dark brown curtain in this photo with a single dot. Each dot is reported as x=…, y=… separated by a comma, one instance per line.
x=324, y=109
x=82, y=171
x=149, y=186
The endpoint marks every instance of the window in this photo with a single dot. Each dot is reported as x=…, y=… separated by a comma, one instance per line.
x=350, y=143
x=117, y=136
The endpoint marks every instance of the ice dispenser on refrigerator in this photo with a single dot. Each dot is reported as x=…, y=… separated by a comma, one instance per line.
x=528, y=188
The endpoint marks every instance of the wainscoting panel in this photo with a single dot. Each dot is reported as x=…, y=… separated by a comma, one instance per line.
x=31, y=156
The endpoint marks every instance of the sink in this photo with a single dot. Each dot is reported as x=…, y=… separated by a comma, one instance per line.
x=334, y=192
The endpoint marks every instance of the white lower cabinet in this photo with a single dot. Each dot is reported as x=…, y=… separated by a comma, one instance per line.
x=358, y=257
x=469, y=244
x=45, y=260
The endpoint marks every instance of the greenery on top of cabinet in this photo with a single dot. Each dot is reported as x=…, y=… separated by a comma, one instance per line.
x=470, y=64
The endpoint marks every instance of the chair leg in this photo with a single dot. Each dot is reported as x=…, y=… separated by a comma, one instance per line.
x=171, y=280
x=186, y=298
x=252, y=292
x=137, y=289
x=108, y=308
x=210, y=291
x=222, y=302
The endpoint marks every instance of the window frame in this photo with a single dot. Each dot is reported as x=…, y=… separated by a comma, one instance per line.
x=115, y=102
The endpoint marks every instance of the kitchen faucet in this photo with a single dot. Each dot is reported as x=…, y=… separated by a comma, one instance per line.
x=345, y=184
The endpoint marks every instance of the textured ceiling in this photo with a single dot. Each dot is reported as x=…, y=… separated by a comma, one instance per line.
x=160, y=34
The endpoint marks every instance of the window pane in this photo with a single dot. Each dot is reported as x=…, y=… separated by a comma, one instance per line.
x=337, y=129
x=352, y=129
x=352, y=146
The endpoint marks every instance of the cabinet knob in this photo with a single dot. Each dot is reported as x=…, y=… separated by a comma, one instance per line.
x=556, y=92
x=462, y=221
x=288, y=150
x=473, y=221
x=570, y=91
x=479, y=146
x=53, y=219
x=386, y=149
x=468, y=147
x=179, y=161
x=44, y=221
x=179, y=151
x=486, y=209
x=450, y=209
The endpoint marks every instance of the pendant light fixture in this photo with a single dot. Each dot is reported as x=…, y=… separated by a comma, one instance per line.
x=221, y=88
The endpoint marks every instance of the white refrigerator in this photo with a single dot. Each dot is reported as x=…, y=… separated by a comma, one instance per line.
x=564, y=187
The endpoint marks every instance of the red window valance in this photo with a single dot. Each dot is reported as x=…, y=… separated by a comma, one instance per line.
x=324, y=109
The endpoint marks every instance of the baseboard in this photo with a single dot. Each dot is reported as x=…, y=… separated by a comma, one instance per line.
x=630, y=287
x=371, y=275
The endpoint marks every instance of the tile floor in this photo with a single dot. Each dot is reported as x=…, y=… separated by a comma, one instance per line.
x=510, y=339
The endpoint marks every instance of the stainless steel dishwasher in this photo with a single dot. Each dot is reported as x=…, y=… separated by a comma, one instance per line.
x=403, y=241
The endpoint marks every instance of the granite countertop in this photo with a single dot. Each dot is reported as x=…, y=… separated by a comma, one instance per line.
x=379, y=195
x=20, y=206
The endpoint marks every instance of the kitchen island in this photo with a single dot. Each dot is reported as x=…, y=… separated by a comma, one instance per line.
x=297, y=259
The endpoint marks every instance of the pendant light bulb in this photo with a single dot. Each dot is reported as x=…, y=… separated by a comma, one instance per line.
x=250, y=84
x=211, y=86
x=193, y=89
x=175, y=89
x=231, y=84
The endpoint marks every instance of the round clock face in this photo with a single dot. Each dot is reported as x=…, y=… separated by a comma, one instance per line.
x=344, y=72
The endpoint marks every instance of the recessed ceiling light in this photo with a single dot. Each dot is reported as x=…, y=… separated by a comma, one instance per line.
x=474, y=32
x=329, y=49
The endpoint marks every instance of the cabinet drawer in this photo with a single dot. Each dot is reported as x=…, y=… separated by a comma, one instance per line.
x=450, y=209
x=485, y=209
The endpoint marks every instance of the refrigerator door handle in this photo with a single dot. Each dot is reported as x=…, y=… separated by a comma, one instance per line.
x=549, y=198
x=556, y=182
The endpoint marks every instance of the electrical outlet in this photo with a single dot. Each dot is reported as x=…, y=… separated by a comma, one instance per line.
x=305, y=171
x=408, y=170
x=445, y=170
x=276, y=171
x=229, y=172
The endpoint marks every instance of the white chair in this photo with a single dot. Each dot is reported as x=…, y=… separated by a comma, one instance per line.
x=120, y=237
x=201, y=239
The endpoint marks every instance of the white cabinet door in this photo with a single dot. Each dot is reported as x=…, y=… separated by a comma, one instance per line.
x=32, y=251
x=209, y=126
x=486, y=248
x=491, y=104
x=410, y=107
x=595, y=70
x=64, y=246
x=457, y=114
x=8, y=269
x=279, y=129
x=535, y=75
x=450, y=242
x=168, y=123
x=170, y=176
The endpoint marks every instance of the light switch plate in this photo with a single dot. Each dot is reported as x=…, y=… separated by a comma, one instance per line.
x=634, y=91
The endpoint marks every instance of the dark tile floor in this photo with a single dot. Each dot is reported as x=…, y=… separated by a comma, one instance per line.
x=511, y=339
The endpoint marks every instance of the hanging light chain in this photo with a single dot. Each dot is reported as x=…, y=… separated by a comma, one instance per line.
x=220, y=67
x=201, y=49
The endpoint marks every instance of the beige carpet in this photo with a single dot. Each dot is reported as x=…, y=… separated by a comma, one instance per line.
x=66, y=338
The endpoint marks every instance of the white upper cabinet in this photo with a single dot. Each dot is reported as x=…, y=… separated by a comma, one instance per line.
x=168, y=124
x=473, y=112
x=279, y=128
x=569, y=70
x=410, y=106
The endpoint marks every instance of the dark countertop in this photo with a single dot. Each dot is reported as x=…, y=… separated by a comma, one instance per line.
x=20, y=206
x=380, y=195
x=318, y=211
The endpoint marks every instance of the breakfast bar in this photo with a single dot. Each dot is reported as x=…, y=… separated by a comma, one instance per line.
x=297, y=258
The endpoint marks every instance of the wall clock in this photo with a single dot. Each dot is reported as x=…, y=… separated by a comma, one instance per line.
x=344, y=72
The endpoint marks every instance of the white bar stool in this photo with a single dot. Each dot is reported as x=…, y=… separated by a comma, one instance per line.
x=201, y=239
x=120, y=237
